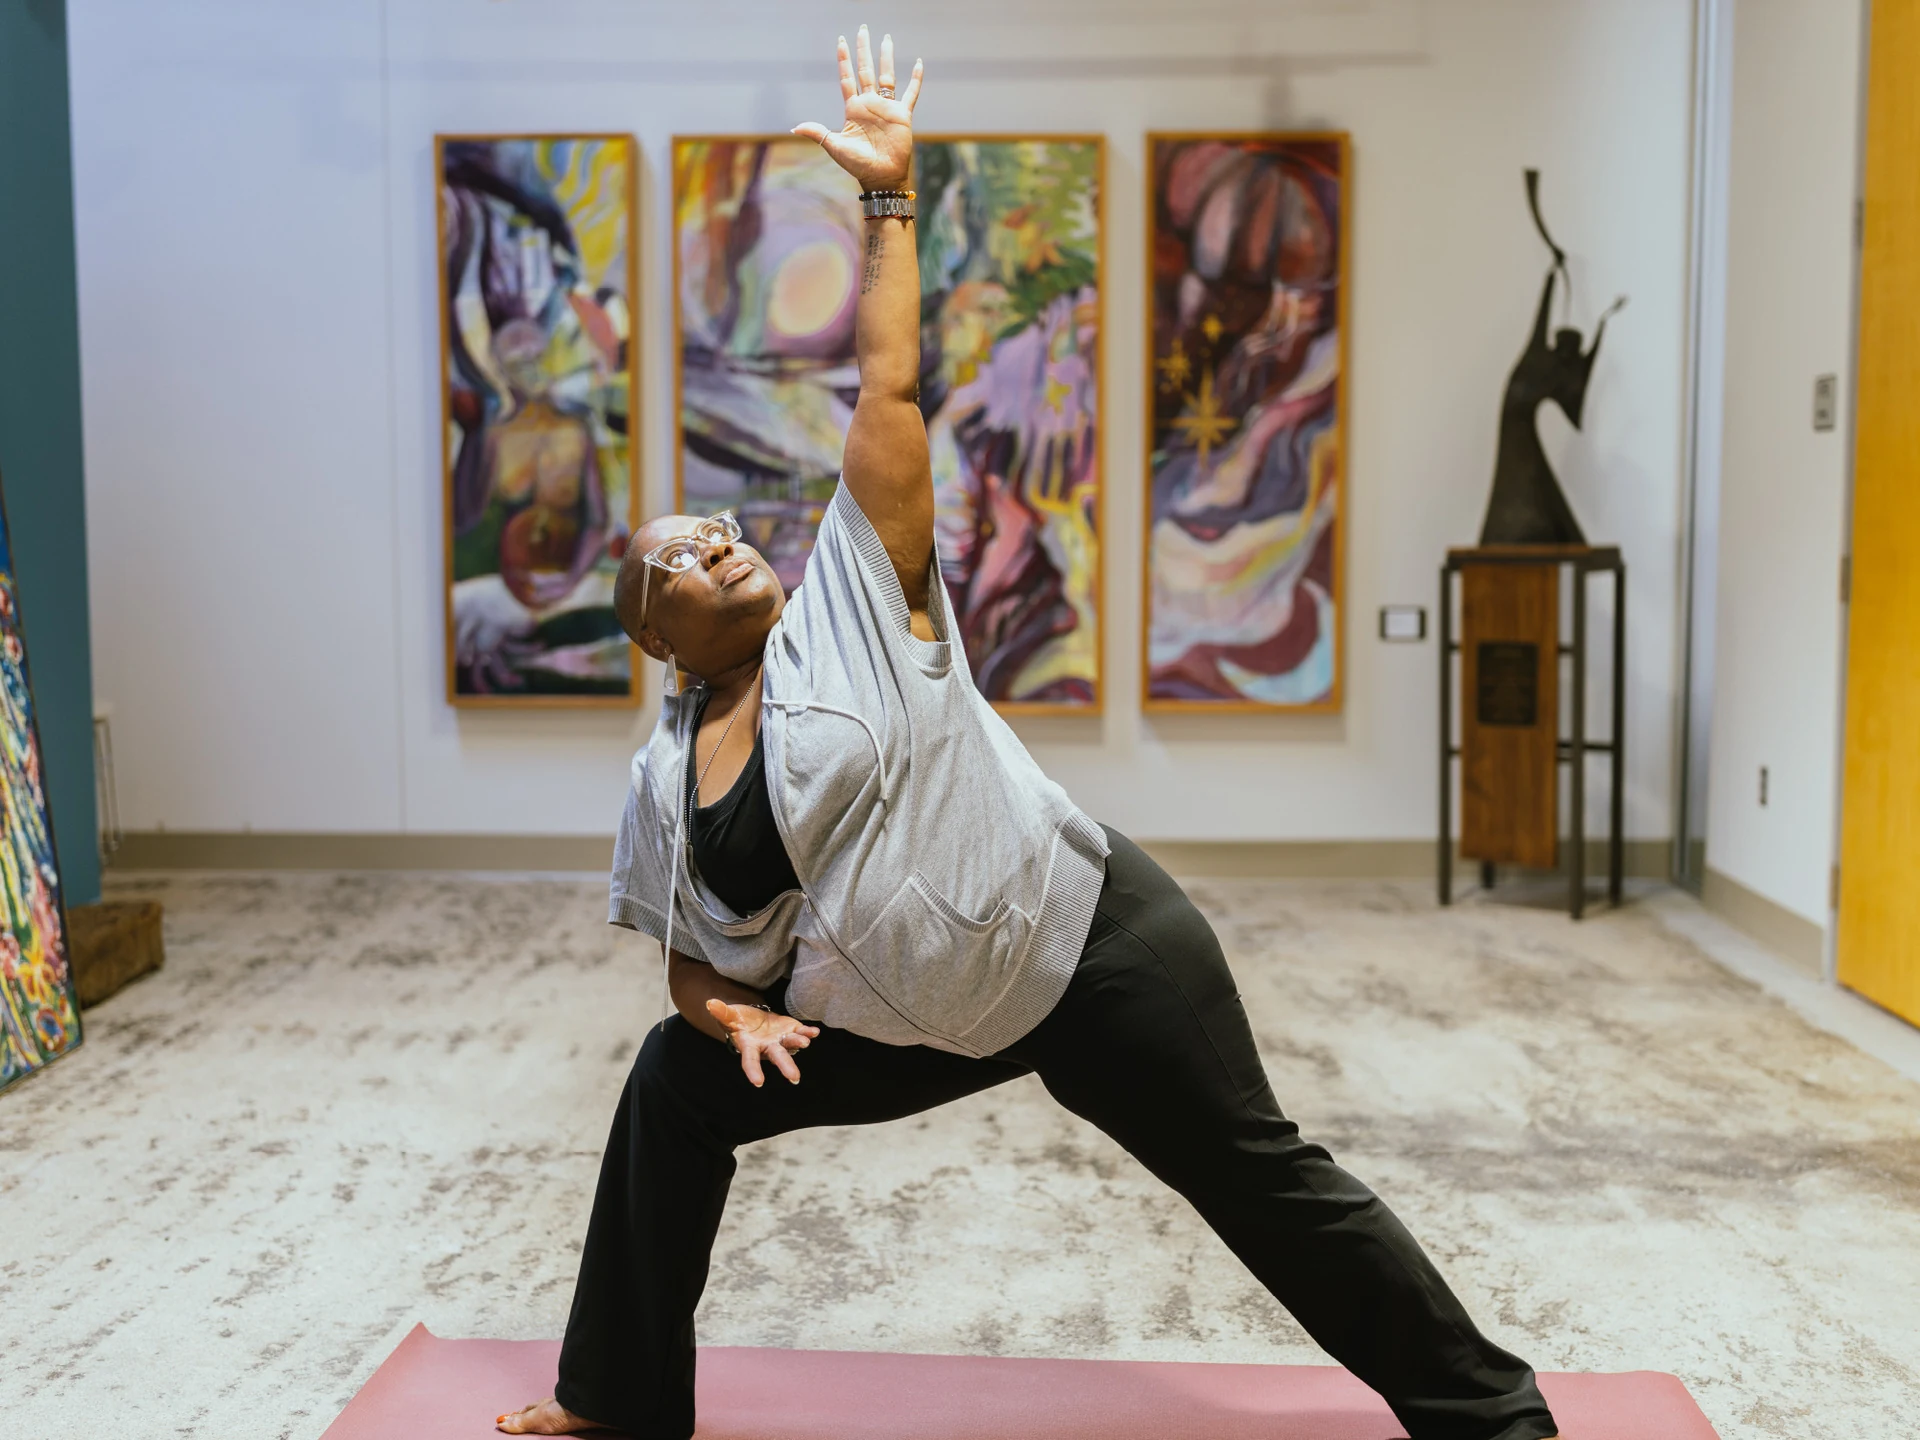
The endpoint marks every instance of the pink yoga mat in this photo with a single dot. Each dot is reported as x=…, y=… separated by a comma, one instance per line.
x=434, y=1389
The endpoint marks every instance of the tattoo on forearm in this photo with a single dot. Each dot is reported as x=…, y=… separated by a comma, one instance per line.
x=870, y=276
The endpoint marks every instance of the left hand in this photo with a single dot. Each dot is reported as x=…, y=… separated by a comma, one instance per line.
x=761, y=1034
x=875, y=145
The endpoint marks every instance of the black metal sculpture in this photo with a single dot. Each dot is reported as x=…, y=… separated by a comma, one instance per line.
x=1527, y=506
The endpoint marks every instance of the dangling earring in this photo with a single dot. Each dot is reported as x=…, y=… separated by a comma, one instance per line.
x=671, y=687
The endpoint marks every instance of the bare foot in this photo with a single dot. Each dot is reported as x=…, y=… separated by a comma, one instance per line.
x=546, y=1417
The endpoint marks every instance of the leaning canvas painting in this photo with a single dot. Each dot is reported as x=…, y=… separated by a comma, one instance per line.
x=767, y=247
x=1246, y=400
x=39, y=1017
x=539, y=398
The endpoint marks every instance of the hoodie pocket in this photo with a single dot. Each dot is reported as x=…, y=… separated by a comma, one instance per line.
x=829, y=990
x=940, y=965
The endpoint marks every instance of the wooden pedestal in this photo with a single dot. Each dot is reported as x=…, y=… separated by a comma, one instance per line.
x=1509, y=714
x=1510, y=746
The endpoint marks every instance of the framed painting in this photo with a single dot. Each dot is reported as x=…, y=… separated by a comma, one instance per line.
x=540, y=402
x=1246, y=401
x=39, y=1014
x=767, y=248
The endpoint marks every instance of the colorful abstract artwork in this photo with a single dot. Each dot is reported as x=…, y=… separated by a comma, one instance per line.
x=1246, y=394
x=537, y=284
x=39, y=1018
x=767, y=246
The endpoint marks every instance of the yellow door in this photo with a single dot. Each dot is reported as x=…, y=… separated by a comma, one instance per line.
x=1879, y=922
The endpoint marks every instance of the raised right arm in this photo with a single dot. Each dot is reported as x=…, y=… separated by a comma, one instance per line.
x=1543, y=316
x=886, y=466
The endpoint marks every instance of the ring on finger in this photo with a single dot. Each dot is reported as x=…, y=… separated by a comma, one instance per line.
x=886, y=92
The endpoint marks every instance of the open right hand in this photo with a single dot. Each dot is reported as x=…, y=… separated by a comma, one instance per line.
x=763, y=1038
x=875, y=145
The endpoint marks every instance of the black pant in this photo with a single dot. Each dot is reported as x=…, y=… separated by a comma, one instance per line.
x=1149, y=1043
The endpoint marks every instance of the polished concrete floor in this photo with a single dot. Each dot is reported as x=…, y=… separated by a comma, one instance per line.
x=352, y=1102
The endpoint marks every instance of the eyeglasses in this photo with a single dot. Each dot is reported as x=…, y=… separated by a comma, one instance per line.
x=682, y=552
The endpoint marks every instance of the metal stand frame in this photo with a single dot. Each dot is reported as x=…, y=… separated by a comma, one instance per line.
x=1570, y=751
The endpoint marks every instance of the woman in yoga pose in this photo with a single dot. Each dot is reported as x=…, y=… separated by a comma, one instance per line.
x=852, y=864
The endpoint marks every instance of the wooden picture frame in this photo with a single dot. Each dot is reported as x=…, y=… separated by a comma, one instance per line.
x=1095, y=620
x=627, y=514
x=1332, y=699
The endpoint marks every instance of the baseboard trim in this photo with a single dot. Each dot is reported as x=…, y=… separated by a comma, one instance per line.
x=1793, y=937
x=255, y=850
x=1363, y=859
x=1223, y=859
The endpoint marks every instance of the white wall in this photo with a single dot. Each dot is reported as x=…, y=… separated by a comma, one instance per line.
x=1790, y=302
x=255, y=208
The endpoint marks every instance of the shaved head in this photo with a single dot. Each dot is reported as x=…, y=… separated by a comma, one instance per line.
x=714, y=615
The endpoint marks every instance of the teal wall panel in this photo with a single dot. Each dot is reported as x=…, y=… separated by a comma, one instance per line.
x=40, y=440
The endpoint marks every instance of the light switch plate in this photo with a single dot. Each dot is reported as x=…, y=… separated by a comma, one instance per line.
x=1403, y=624
x=1826, y=401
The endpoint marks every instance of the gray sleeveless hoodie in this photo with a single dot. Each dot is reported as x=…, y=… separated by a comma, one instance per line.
x=947, y=885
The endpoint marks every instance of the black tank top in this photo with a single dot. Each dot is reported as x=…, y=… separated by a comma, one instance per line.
x=736, y=845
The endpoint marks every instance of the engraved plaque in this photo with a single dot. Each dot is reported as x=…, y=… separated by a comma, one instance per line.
x=1508, y=683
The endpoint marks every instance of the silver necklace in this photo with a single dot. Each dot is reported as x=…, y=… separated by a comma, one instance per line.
x=725, y=731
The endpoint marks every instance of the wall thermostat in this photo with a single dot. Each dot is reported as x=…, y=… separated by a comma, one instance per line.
x=1403, y=623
